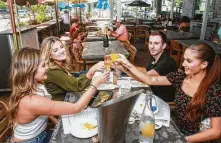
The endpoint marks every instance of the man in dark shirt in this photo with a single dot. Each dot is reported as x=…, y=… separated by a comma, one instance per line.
x=161, y=64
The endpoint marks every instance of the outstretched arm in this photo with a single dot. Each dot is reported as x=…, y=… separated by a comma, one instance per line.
x=39, y=105
x=210, y=134
x=143, y=77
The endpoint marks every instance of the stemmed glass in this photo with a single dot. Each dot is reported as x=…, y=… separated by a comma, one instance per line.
x=114, y=57
x=107, y=61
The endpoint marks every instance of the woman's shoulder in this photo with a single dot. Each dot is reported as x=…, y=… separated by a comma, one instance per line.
x=56, y=70
x=30, y=100
x=177, y=75
x=215, y=88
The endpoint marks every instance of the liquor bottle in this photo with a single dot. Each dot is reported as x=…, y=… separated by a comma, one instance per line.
x=105, y=39
x=147, y=124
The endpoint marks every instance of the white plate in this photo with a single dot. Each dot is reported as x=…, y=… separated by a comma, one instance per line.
x=77, y=122
x=79, y=130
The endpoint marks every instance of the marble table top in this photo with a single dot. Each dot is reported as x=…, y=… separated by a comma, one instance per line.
x=92, y=38
x=187, y=43
x=96, y=51
x=174, y=35
x=169, y=134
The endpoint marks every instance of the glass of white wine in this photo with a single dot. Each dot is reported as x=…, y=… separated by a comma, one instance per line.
x=107, y=62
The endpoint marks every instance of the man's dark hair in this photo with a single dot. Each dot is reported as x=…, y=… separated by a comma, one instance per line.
x=161, y=34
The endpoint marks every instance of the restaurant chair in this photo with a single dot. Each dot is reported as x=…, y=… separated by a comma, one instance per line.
x=126, y=44
x=176, y=51
x=132, y=30
x=140, y=31
x=146, y=40
x=172, y=105
x=132, y=53
x=76, y=52
x=5, y=129
x=131, y=50
x=129, y=36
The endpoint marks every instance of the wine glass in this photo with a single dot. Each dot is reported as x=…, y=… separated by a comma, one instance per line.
x=107, y=62
x=114, y=57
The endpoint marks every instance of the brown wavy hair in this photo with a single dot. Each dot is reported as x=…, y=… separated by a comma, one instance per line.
x=205, y=53
x=24, y=65
x=46, y=49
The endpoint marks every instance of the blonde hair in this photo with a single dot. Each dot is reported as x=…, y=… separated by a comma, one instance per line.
x=46, y=49
x=24, y=65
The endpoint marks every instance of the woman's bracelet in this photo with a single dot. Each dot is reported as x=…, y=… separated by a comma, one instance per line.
x=94, y=87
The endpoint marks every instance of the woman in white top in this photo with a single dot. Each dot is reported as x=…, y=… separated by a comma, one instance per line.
x=29, y=110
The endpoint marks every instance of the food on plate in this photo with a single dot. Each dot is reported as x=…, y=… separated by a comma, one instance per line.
x=89, y=126
x=102, y=97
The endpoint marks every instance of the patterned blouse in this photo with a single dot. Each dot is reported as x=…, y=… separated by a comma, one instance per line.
x=212, y=107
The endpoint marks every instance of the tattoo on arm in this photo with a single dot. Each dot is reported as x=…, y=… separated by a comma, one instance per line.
x=155, y=79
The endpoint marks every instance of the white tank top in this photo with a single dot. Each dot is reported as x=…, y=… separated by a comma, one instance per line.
x=34, y=128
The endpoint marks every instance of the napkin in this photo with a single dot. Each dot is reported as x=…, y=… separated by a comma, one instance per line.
x=89, y=113
x=162, y=116
x=66, y=124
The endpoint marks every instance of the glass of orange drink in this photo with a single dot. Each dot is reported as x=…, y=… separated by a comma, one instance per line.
x=107, y=62
x=114, y=57
x=147, y=131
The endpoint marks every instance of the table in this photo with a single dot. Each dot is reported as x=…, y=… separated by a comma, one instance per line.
x=169, y=27
x=99, y=38
x=162, y=135
x=174, y=35
x=96, y=51
x=187, y=43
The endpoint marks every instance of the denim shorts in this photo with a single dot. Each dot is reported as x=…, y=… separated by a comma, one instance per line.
x=38, y=139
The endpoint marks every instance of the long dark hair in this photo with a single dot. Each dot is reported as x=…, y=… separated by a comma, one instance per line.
x=205, y=53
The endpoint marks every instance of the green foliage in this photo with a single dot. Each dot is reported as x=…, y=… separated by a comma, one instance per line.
x=39, y=12
x=23, y=24
x=2, y=5
x=179, y=3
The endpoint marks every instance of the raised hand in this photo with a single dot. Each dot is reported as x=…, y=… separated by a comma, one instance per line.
x=123, y=61
x=103, y=78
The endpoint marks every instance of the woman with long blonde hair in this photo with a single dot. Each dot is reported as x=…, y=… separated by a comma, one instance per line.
x=56, y=60
x=29, y=104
